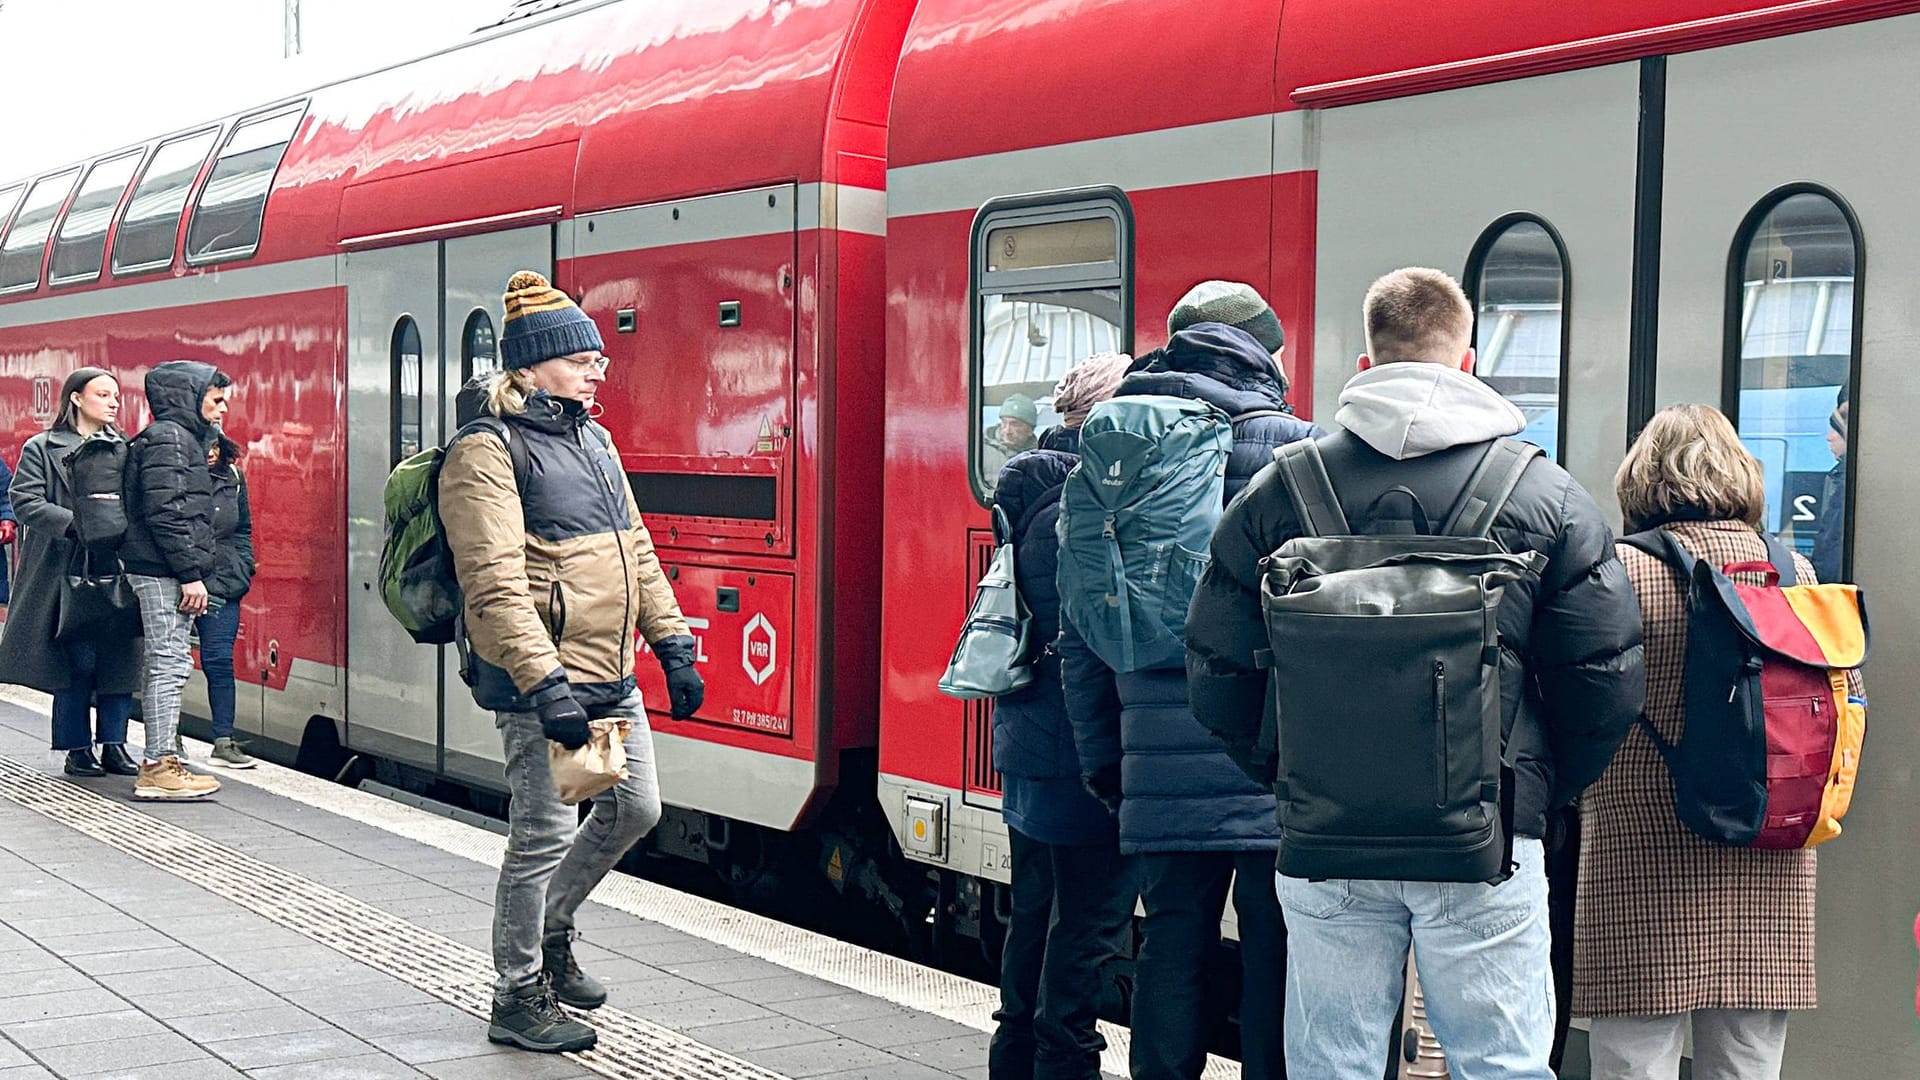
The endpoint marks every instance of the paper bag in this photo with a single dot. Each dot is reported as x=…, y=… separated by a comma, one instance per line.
x=579, y=775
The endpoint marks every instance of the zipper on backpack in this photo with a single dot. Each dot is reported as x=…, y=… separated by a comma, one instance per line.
x=1440, y=733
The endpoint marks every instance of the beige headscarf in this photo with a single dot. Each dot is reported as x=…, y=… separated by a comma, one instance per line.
x=1089, y=383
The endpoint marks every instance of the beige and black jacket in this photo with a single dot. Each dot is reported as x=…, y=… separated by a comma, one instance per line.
x=557, y=576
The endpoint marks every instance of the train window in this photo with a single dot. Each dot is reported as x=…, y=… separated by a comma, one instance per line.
x=408, y=372
x=26, y=242
x=1052, y=285
x=150, y=228
x=226, y=220
x=82, y=243
x=1517, y=277
x=1793, y=363
x=479, y=349
x=9, y=198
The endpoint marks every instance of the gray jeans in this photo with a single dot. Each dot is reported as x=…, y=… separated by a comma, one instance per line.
x=1728, y=1044
x=553, y=859
x=169, y=660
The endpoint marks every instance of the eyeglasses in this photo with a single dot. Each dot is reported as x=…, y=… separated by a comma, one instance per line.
x=598, y=363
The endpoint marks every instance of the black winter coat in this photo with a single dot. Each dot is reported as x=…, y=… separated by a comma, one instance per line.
x=169, y=490
x=6, y=514
x=233, y=564
x=1180, y=791
x=1572, y=675
x=1031, y=736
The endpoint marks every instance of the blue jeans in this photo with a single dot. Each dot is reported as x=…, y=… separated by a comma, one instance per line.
x=71, y=729
x=217, y=629
x=1483, y=952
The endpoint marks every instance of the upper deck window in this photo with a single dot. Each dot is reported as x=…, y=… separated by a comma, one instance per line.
x=25, y=246
x=150, y=228
x=226, y=220
x=1052, y=285
x=82, y=244
x=1518, y=276
x=9, y=198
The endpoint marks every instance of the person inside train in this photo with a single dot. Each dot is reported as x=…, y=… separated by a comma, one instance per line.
x=169, y=554
x=1072, y=892
x=230, y=580
x=1014, y=434
x=1830, y=532
x=1199, y=827
x=549, y=651
x=92, y=678
x=1415, y=418
x=1673, y=930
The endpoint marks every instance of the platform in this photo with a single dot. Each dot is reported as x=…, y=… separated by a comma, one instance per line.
x=294, y=929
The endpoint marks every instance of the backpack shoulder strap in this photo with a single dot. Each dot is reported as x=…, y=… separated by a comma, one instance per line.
x=1314, y=501
x=1252, y=413
x=1489, y=487
x=1663, y=545
x=1782, y=560
x=516, y=446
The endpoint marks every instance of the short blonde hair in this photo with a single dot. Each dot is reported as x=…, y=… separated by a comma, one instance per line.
x=508, y=391
x=1417, y=313
x=1688, y=465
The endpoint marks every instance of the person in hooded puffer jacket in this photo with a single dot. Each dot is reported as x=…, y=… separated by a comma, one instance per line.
x=555, y=579
x=1072, y=893
x=232, y=579
x=1200, y=827
x=169, y=554
x=1572, y=679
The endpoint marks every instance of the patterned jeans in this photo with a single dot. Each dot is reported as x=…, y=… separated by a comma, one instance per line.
x=169, y=660
x=554, y=860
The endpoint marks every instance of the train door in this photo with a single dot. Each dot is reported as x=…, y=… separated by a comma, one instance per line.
x=1525, y=191
x=475, y=273
x=1781, y=174
x=393, y=410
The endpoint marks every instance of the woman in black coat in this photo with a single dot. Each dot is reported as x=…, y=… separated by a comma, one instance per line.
x=97, y=675
x=231, y=579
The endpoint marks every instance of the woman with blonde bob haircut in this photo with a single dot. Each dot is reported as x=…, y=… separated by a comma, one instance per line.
x=1672, y=930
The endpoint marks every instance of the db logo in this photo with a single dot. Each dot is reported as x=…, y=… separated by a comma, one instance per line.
x=757, y=644
x=42, y=398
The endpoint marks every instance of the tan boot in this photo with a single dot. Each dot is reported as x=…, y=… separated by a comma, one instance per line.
x=170, y=780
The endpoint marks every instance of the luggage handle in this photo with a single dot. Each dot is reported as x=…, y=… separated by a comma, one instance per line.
x=1765, y=569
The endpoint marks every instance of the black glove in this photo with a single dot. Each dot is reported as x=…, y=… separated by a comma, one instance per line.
x=564, y=721
x=1104, y=784
x=685, y=689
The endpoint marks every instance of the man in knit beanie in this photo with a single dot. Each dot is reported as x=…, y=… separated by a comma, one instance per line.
x=1238, y=305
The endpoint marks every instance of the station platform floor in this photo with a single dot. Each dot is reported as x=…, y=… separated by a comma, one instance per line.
x=294, y=929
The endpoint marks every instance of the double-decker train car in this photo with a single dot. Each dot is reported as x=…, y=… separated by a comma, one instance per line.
x=826, y=240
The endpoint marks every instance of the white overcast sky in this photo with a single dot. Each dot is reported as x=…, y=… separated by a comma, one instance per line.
x=85, y=76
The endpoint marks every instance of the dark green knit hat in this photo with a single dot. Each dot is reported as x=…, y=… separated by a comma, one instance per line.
x=1232, y=302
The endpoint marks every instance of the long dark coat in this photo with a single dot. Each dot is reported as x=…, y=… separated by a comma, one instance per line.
x=28, y=654
x=1668, y=922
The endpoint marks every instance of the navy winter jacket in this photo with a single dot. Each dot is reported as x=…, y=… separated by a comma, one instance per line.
x=1180, y=791
x=1031, y=736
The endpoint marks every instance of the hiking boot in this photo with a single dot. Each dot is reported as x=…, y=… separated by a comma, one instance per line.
x=533, y=1020
x=570, y=984
x=228, y=755
x=81, y=762
x=170, y=780
x=114, y=759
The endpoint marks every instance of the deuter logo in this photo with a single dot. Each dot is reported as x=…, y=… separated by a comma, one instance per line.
x=1113, y=475
x=42, y=398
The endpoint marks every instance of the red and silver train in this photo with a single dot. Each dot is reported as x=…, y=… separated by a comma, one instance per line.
x=825, y=239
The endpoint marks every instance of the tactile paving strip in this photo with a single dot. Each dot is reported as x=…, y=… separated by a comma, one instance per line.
x=630, y=1048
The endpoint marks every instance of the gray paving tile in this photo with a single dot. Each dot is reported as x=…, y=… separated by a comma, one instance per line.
x=731, y=970
x=446, y=1044
x=691, y=951
x=828, y=1009
x=214, y=1000
x=892, y=1070
x=26, y=1072
x=338, y=972
x=48, y=981
x=121, y=963
x=332, y=1001
x=818, y=1059
x=761, y=1034
x=104, y=922
x=375, y=892
x=650, y=987
x=626, y=938
x=279, y=958
x=266, y=1051
x=111, y=941
x=227, y=946
x=891, y=1032
x=957, y=1052
x=702, y=1012
x=84, y=1002
x=68, y=1030
x=361, y=1067
x=245, y=1023
x=120, y=1050
x=514, y=1067
x=403, y=1020
x=11, y=1055
x=200, y=1068
x=16, y=961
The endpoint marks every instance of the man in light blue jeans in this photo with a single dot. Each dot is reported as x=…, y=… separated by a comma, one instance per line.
x=1482, y=954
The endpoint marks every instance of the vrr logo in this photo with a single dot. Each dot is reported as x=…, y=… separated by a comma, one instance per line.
x=757, y=644
x=42, y=398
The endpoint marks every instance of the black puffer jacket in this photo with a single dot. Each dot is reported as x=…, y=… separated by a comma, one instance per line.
x=1572, y=674
x=1180, y=791
x=169, y=491
x=1031, y=736
x=233, y=567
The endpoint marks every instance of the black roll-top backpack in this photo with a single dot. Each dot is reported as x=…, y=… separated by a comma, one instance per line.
x=1385, y=651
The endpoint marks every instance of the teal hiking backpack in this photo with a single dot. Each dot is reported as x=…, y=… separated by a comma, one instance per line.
x=1136, y=516
x=417, y=581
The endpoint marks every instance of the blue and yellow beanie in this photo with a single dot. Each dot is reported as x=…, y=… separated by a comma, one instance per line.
x=542, y=323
